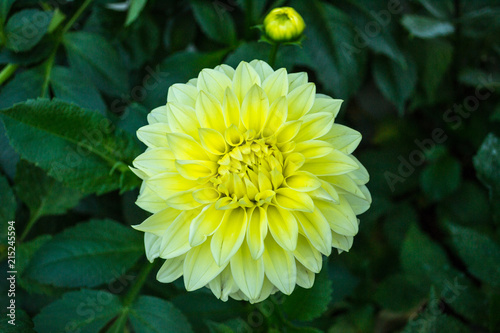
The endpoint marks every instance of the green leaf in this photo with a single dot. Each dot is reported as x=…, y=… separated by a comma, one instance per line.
x=81, y=145
x=4, y=10
x=21, y=324
x=25, y=252
x=71, y=87
x=441, y=178
x=215, y=21
x=135, y=9
x=479, y=252
x=395, y=82
x=437, y=61
x=88, y=254
x=151, y=314
x=26, y=28
x=23, y=86
x=487, y=165
x=84, y=311
x=38, y=53
x=43, y=194
x=427, y=27
x=398, y=294
x=230, y=326
x=308, y=304
x=339, y=64
x=94, y=57
x=8, y=200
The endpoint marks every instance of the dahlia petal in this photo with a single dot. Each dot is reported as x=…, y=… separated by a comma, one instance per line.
x=245, y=76
x=313, y=148
x=154, y=135
x=194, y=170
x=229, y=236
x=183, y=201
x=214, y=82
x=223, y=284
x=182, y=119
x=342, y=242
x=254, y=109
x=233, y=136
x=182, y=94
x=231, y=109
x=262, y=68
x=204, y=225
x=307, y=255
x=305, y=278
x=213, y=141
x=343, y=138
x=345, y=183
x=247, y=272
x=149, y=200
x=335, y=163
x=175, y=239
x=185, y=147
x=288, y=131
x=303, y=181
x=296, y=80
x=341, y=217
x=152, y=246
x=283, y=227
x=324, y=103
x=209, y=111
x=359, y=205
x=257, y=232
x=276, y=85
x=300, y=100
x=226, y=69
x=158, y=115
x=360, y=175
x=206, y=195
x=278, y=112
x=314, y=126
x=158, y=223
x=316, y=228
x=171, y=270
x=279, y=266
x=200, y=267
x=294, y=200
x=169, y=183
x=155, y=160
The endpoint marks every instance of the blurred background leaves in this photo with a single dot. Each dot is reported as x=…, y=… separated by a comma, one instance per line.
x=420, y=80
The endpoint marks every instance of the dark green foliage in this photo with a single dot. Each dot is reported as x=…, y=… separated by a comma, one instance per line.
x=420, y=80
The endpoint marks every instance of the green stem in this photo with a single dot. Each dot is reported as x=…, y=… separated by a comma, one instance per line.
x=34, y=217
x=76, y=16
x=7, y=71
x=121, y=321
x=272, y=55
x=48, y=70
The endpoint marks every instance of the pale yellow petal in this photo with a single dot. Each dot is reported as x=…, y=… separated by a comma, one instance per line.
x=196, y=170
x=316, y=228
x=257, y=231
x=185, y=147
x=288, y=131
x=294, y=200
x=324, y=103
x=335, y=163
x=223, y=284
x=149, y=200
x=360, y=175
x=229, y=236
x=200, y=267
x=303, y=181
x=314, y=125
x=276, y=85
x=183, y=201
x=209, y=111
x=278, y=112
x=313, y=148
x=175, y=239
x=307, y=255
x=158, y=115
x=341, y=242
x=300, y=100
x=154, y=135
x=213, y=82
x=283, y=227
x=226, y=69
x=182, y=119
x=305, y=278
x=183, y=94
x=204, y=225
x=158, y=223
x=296, y=80
x=171, y=270
x=245, y=76
x=231, y=109
x=279, y=266
x=340, y=217
x=254, y=109
x=247, y=272
x=169, y=183
x=152, y=246
x=262, y=68
x=343, y=138
x=155, y=160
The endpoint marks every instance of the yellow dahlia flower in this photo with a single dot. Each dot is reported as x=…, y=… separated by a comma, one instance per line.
x=249, y=180
x=284, y=24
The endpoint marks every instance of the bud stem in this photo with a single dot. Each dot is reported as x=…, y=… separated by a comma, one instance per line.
x=272, y=55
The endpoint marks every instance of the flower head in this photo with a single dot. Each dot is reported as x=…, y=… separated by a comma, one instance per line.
x=249, y=180
x=284, y=24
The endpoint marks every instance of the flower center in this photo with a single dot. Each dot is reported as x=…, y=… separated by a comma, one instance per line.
x=249, y=173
